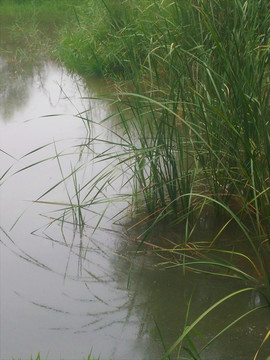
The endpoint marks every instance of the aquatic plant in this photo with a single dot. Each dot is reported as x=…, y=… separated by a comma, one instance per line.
x=197, y=120
x=193, y=104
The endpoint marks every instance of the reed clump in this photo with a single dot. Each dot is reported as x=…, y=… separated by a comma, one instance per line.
x=192, y=100
x=197, y=115
x=192, y=96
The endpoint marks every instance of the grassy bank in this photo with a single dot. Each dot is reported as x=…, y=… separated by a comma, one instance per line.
x=200, y=76
x=33, y=26
x=193, y=93
x=192, y=100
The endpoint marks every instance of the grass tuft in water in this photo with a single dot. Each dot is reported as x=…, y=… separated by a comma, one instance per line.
x=192, y=102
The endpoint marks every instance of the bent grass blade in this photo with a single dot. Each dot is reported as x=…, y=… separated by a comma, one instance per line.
x=189, y=328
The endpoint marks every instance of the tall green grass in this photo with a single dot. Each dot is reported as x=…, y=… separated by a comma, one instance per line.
x=193, y=101
x=199, y=115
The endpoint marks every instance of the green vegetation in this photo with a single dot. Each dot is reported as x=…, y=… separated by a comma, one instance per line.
x=192, y=100
x=200, y=72
x=33, y=25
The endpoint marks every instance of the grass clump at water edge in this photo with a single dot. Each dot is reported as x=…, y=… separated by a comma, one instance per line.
x=197, y=120
x=196, y=129
x=193, y=102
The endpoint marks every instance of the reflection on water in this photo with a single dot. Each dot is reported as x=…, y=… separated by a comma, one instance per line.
x=16, y=83
x=64, y=291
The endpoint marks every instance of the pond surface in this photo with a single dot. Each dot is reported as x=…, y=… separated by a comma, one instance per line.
x=64, y=291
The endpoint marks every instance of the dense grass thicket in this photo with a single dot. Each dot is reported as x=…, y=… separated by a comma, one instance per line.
x=192, y=94
x=200, y=70
x=193, y=100
x=193, y=84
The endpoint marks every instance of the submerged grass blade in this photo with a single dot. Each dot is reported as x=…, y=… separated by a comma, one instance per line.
x=232, y=324
x=267, y=336
x=189, y=328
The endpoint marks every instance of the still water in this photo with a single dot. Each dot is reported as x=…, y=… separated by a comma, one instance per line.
x=64, y=291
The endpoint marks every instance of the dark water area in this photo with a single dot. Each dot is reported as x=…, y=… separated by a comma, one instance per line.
x=64, y=291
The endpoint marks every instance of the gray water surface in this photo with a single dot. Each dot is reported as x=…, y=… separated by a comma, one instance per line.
x=64, y=291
